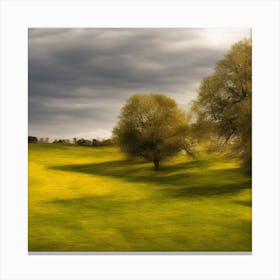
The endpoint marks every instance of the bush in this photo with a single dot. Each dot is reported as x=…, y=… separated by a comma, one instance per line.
x=83, y=142
x=32, y=139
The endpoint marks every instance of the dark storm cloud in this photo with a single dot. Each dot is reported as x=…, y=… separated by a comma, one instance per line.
x=80, y=78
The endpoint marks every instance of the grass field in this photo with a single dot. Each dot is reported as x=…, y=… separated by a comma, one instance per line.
x=94, y=199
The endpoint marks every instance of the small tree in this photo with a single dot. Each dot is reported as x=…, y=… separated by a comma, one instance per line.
x=32, y=139
x=84, y=142
x=95, y=143
x=106, y=142
x=151, y=126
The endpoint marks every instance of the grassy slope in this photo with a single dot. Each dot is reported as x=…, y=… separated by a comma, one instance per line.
x=93, y=199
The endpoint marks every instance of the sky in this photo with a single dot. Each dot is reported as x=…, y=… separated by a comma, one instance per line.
x=79, y=79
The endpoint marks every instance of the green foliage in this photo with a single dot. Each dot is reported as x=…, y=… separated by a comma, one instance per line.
x=83, y=142
x=32, y=139
x=151, y=126
x=224, y=104
x=93, y=142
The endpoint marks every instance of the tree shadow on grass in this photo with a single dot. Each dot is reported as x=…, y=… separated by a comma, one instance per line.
x=206, y=190
x=121, y=168
x=247, y=203
x=177, y=180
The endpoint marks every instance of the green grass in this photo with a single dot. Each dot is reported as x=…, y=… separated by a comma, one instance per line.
x=94, y=199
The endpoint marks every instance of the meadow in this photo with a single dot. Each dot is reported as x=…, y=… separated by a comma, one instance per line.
x=95, y=199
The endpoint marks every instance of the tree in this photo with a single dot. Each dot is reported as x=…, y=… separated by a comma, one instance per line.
x=225, y=100
x=32, y=139
x=84, y=142
x=151, y=126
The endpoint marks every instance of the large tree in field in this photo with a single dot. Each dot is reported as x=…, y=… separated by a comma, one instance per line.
x=151, y=126
x=225, y=100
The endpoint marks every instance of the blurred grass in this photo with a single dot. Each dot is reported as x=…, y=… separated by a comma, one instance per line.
x=94, y=199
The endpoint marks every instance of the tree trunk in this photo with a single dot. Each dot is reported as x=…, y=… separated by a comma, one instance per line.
x=156, y=164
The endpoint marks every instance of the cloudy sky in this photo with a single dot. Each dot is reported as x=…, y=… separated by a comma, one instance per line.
x=80, y=78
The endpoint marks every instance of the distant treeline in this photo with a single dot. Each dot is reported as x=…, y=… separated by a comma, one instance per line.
x=75, y=141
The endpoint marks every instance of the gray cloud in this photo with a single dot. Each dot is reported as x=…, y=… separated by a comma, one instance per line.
x=80, y=78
